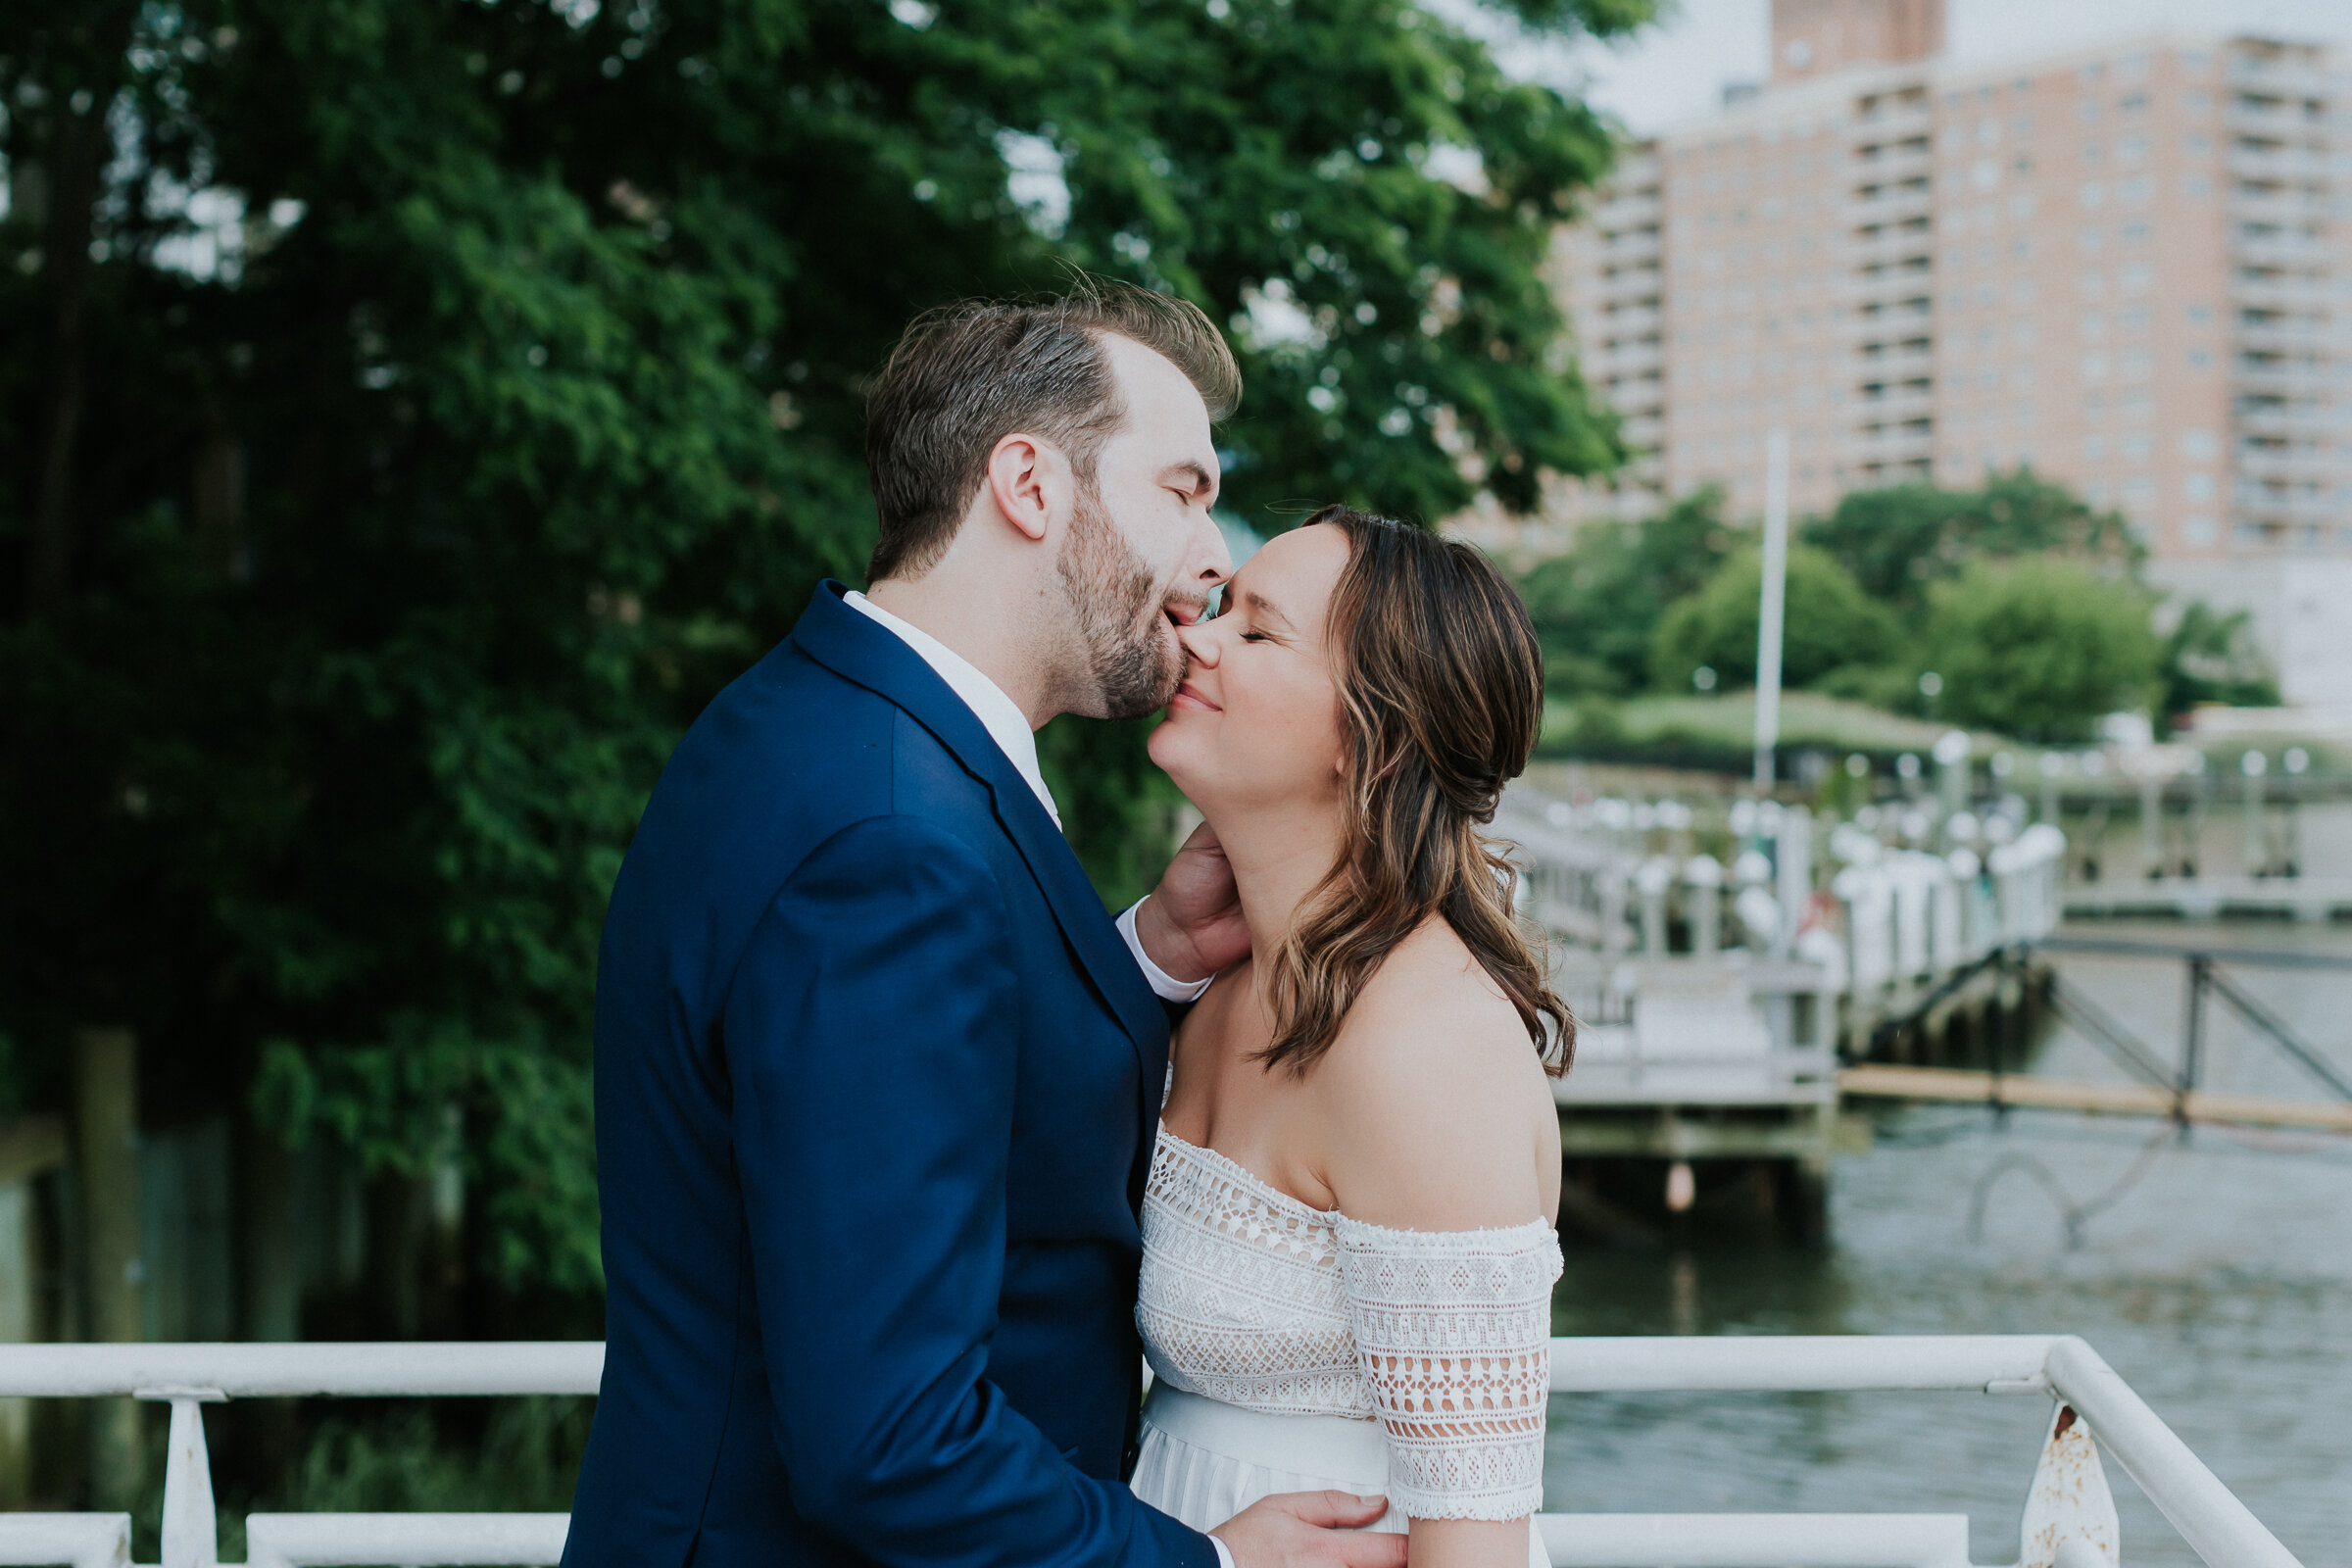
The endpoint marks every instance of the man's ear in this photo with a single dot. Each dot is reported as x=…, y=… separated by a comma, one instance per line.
x=1029, y=479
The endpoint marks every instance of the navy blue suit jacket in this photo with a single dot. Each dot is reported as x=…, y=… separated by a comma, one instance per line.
x=875, y=1083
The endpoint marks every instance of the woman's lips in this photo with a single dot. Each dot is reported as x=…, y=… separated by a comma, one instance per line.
x=1187, y=697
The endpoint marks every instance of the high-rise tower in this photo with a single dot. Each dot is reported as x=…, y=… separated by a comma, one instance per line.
x=1818, y=38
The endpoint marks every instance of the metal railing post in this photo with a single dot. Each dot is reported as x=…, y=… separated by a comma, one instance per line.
x=2217, y=1526
x=2192, y=1042
x=191, y=1527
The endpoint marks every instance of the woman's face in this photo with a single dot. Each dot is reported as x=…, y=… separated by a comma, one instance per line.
x=1256, y=721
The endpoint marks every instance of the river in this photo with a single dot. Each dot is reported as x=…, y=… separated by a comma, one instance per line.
x=2218, y=1281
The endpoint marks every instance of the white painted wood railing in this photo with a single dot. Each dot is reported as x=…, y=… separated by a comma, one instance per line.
x=2069, y=1521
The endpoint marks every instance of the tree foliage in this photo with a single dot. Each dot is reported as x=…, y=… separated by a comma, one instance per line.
x=2212, y=658
x=1596, y=607
x=2039, y=647
x=430, y=403
x=1899, y=541
x=1827, y=623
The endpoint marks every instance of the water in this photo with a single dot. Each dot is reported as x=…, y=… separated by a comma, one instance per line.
x=2218, y=1282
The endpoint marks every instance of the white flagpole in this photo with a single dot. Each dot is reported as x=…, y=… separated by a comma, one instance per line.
x=1768, y=619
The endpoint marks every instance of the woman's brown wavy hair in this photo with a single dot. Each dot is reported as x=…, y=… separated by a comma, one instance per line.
x=1441, y=685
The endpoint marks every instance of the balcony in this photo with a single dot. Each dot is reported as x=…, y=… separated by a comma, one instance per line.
x=1898, y=361
x=1634, y=247
x=2288, y=511
x=1893, y=446
x=2068, y=1507
x=1632, y=210
x=1642, y=360
x=2285, y=80
x=2256, y=203
x=1889, y=204
x=2277, y=164
x=1917, y=244
x=1895, y=408
x=2292, y=251
x=2284, y=338
x=1895, y=287
x=2290, y=294
x=1892, y=123
x=2272, y=120
x=1630, y=320
x=2283, y=424
x=1897, y=164
x=2294, y=467
x=1630, y=287
x=2279, y=380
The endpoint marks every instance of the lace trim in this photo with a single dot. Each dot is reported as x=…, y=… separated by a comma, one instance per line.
x=1241, y=1297
x=1454, y=1333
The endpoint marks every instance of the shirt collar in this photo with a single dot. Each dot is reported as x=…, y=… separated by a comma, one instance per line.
x=998, y=713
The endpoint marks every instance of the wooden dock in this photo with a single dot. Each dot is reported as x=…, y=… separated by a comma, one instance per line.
x=2313, y=898
x=2024, y=1092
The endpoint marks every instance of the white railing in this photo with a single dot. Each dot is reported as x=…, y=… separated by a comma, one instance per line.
x=2069, y=1519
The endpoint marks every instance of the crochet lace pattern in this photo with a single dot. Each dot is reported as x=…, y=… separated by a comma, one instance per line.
x=1255, y=1298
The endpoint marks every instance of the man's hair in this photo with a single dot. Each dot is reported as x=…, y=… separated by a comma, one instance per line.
x=965, y=377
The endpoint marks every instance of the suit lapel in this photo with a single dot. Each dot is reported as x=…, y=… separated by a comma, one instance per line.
x=860, y=649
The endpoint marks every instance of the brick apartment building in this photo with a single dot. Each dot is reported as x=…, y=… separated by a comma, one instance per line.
x=2127, y=266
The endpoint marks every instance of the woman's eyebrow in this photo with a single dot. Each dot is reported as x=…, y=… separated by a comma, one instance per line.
x=1264, y=606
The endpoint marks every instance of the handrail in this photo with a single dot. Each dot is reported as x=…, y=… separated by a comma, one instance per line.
x=2209, y=1516
x=347, y=1370
x=2220, y=1529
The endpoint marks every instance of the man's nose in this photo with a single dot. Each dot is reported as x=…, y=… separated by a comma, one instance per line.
x=1216, y=561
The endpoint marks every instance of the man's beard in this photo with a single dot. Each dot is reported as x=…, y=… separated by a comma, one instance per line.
x=1132, y=661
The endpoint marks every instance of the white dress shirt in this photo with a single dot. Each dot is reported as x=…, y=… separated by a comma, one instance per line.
x=1008, y=728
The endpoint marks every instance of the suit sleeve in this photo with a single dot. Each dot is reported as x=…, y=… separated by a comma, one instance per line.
x=871, y=1037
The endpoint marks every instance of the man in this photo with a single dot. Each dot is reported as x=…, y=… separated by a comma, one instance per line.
x=876, y=1078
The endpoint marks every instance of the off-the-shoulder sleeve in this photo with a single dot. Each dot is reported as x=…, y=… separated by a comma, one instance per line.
x=1454, y=1329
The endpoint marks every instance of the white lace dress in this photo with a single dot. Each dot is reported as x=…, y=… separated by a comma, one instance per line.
x=1294, y=1349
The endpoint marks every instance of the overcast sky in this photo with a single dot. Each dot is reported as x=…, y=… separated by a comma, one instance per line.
x=1675, y=71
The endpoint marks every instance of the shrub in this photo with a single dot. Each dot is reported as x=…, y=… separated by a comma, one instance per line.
x=2039, y=647
x=1828, y=624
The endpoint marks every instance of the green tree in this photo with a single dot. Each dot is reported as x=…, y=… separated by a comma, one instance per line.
x=427, y=405
x=2212, y=658
x=1596, y=607
x=1899, y=541
x=1828, y=624
x=2039, y=647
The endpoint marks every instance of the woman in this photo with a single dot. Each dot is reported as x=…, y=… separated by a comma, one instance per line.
x=1349, y=1250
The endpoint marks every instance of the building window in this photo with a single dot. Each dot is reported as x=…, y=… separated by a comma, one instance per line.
x=2197, y=487
x=2200, y=532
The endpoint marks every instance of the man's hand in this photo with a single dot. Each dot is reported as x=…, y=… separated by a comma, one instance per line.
x=1311, y=1530
x=1192, y=925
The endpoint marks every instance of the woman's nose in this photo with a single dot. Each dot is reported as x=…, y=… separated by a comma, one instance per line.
x=1200, y=641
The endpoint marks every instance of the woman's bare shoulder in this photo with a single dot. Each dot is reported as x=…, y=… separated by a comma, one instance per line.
x=1440, y=1110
